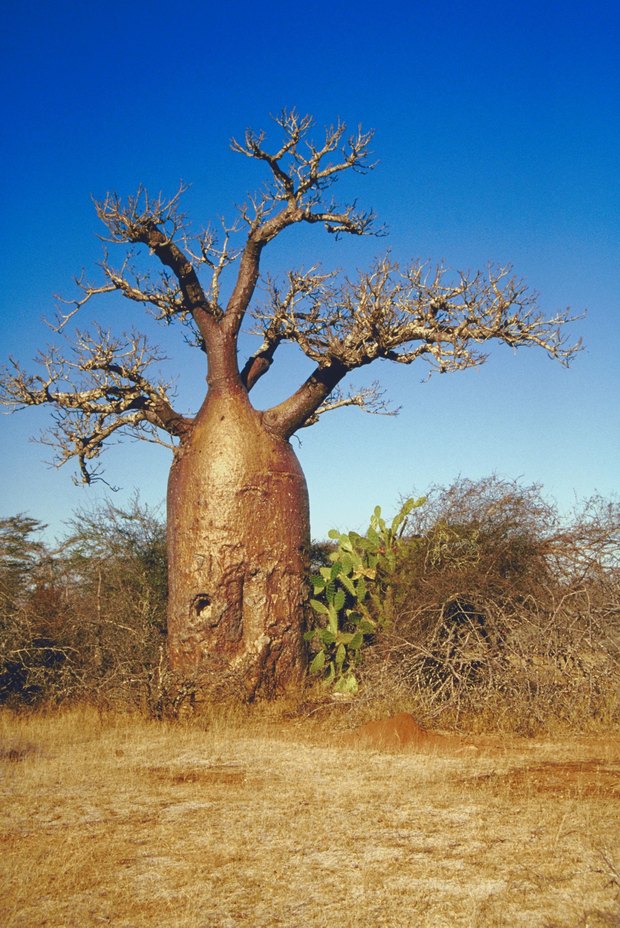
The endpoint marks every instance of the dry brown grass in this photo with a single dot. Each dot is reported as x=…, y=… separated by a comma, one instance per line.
x=238, y=822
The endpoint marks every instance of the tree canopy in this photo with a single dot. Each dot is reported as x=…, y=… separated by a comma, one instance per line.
x=99, y=383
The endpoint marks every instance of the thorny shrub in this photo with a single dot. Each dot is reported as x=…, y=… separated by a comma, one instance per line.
x=87, y=620
x=503, y=614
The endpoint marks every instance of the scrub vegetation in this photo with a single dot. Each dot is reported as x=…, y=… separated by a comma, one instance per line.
x=478, y=607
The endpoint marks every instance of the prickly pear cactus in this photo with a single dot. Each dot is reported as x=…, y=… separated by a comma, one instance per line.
x=348, y=596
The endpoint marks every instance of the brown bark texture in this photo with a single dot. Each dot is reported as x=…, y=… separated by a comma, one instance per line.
x=238, y=536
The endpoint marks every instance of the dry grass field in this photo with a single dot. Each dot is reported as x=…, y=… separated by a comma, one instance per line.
x=109, y=819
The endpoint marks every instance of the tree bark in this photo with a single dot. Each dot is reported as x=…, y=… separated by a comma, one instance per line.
x=238, y=540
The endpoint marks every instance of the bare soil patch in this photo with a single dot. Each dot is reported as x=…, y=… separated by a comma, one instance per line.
x=591, y=779
x=401, y=732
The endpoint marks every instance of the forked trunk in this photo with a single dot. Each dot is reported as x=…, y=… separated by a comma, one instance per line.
x=238, y=536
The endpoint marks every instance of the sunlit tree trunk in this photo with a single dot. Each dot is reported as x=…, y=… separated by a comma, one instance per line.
x=238, y=537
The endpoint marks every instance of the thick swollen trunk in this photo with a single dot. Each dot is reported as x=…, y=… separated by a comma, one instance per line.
x=238, y=536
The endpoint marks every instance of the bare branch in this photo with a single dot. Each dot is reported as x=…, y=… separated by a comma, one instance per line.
x=400, y=316
x=290, y=415
x=274, y=324
x=215, y=256
x=89, y=291
x=164, y=296
x=369, y=399
x=98, y=389
x=298, y=166
x=405, y=315
x=300, y=175
x=173, y=293
x=157, y=224
x=259, y=363
x=134, y=219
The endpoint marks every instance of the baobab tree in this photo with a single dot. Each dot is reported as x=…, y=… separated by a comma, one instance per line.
x=238, y=525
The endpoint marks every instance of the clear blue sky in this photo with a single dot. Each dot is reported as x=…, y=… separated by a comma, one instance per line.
x=498, y=136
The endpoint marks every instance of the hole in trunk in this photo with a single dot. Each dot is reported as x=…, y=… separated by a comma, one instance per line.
x=201, y=604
